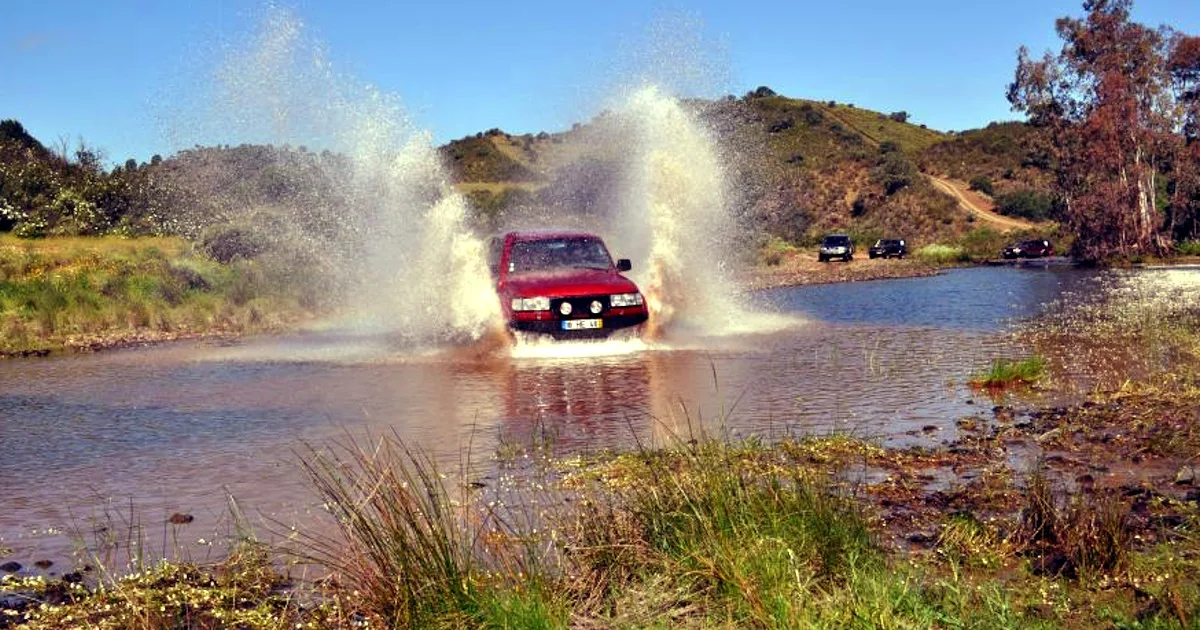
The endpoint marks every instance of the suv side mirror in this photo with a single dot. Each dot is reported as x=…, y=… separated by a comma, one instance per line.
x=623, y=264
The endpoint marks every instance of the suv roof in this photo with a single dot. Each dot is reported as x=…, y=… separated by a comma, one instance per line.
x=538, y=235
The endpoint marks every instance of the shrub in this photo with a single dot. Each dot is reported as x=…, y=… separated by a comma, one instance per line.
x=983, y=184
x=1188, y=248
x=896, y=173
x=942, y=254
x=983, y=242
x=900, y=117
x=859, y=207
x=775, y=251
x=228, y=243
x=761, y=91
x=781, y=125
x=1027, y=204
x=810, y=115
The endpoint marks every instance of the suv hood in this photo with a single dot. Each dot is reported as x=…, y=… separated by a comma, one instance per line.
x=568, y=282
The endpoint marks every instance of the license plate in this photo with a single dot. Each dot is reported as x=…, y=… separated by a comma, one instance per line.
x=582, y=324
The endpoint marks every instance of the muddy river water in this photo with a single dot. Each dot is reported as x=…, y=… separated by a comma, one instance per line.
x=176, y=428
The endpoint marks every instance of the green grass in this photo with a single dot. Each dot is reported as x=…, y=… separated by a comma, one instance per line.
x=1008, y=373
x=1188, y=248
x=775, y=251
x=939, y=254
x=58, y=293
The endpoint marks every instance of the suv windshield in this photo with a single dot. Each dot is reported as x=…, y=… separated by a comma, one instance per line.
x=835, y=241
x=558, y=253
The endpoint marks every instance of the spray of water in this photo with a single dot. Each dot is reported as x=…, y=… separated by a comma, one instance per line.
x=676, y=216
x=395, y=240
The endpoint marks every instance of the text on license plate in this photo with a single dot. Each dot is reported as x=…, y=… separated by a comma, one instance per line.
x=582, y=324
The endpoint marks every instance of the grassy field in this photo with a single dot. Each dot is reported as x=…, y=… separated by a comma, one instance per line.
x=81, y=293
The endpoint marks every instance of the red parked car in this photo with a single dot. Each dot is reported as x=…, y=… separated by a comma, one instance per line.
x=1030, y=248
x=563, y=284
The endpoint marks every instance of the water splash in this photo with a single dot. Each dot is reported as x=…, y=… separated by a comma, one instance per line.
x=395, y=240
x=676, y=215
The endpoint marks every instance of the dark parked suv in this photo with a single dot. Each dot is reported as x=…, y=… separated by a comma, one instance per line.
x=836, y=246
x=1031, y=248
x=888, y=247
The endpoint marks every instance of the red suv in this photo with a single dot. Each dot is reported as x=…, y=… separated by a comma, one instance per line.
x=564, y=284
x=1031, y=248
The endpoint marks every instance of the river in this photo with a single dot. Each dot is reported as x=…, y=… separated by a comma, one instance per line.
x=175, y=428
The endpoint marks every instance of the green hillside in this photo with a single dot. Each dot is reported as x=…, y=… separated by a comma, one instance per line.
x=1007, y=153
x=803, y=168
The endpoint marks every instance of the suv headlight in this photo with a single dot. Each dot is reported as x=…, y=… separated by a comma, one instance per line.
x=617, y=300
x=531, y=304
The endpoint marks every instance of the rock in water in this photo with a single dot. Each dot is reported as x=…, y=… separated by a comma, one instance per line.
x=1186, y=476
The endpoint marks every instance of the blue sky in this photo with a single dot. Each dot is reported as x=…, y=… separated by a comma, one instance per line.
x=115, y=73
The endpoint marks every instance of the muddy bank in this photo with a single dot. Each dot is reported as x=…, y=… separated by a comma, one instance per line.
x=1138, y=445
x=804, y=269
x=121, y=340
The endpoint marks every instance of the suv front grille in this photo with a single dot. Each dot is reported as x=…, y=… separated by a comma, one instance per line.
x=580, y=306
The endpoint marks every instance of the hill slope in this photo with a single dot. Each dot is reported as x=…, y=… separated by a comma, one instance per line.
x=799, y=167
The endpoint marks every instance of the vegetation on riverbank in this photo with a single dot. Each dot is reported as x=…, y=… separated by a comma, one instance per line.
x=703, y=534
x=1006, y=373
x=87, y=293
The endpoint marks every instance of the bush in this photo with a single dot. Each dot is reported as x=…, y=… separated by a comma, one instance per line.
x=226, y=244
x=761, y=91
x=942, y=254
x=983, y=184
x=811, y=116
x=1188, y=248
x=1027, y=204
x=896, y=173
x=781, y=125
x=775, y=251
x=900, y=117
x=859, y=207
x=984, y=242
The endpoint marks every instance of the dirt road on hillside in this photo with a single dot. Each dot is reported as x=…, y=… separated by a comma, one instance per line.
x=979, y=206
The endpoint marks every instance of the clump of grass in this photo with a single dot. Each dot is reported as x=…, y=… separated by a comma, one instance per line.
x=753, y=546
x=1075, y=536
x=965, y=539
x=939, y=254
x=1006, y=373
x=775, y=251
x=416, y=554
